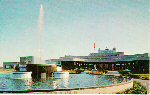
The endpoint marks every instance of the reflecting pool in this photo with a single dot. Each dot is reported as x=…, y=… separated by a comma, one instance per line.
x=73, y=81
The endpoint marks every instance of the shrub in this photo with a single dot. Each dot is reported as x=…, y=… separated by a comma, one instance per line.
x=144, y=77
x=140, y=76
x=137, y=89
x=124, y=73
x=105, y=71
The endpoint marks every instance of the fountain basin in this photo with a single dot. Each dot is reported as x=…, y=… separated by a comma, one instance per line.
x=61, y=74
x=21, y=75
x=113, y=73
x=73, y=82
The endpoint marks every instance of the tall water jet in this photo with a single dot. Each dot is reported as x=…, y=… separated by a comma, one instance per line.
x=41, y=18
x=41, y=26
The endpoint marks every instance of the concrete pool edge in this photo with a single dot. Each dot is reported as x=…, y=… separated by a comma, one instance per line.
x=112, y=89
x=90, y=90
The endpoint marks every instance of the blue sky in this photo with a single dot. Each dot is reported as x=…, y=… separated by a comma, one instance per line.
x=72, y=26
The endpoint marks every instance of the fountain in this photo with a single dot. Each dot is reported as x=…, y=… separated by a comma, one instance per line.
x=41, y=24
x=22, y=72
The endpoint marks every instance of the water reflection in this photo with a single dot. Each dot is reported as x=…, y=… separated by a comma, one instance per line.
x=15, y=84
x=63, y=83
x=43, y=79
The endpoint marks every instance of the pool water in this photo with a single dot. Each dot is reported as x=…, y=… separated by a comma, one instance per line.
x=73, y=81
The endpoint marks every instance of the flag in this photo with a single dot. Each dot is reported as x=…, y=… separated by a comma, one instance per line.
x=94, y=46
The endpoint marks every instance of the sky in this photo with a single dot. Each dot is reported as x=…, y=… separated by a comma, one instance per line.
x=71, y=27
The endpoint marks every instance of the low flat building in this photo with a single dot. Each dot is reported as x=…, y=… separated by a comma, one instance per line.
x=9, y=65
x=31, y=60
x=27, y=60
x=107, y=60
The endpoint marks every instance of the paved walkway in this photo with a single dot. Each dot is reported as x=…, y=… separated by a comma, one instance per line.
x=115, y=73
x=145, y=83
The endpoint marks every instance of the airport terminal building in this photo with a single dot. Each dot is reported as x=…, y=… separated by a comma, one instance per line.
x=105, y=60
x=102, y=60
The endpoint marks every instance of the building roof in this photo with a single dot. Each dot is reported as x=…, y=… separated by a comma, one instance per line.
x=97, y=57
x=10, y=62
x=43, y=64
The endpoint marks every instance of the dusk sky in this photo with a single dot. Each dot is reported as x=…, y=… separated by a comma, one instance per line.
x=72, y=26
